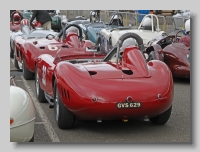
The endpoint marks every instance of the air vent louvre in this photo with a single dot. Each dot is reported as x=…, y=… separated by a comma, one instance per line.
x=92, y=72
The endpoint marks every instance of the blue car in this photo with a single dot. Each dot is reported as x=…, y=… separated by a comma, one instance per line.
x=92, y=30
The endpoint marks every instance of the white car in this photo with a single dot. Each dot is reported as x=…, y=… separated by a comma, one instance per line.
x=108, y=37
x=22, y=115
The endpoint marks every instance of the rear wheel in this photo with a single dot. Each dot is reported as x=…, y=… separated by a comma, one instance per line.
x=162, y=118
x=39, y=92
x=11, y=52
x=15, y=60
x=28, y=75
x=64, y=118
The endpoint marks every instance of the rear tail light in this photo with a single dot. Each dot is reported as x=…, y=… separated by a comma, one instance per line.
x=11, y=121
x=150, y=63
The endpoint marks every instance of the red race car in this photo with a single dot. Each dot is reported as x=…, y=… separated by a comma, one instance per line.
x=29, y=47
x=121, y=86
x=175, y=54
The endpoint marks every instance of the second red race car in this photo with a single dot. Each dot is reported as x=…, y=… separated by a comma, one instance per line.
x=175, y=54
x=68, y=41
x=121, y=86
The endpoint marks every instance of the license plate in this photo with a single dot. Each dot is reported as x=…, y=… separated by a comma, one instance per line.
x=123, y=105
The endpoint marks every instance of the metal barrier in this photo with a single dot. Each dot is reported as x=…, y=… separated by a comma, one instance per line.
x=166, y=23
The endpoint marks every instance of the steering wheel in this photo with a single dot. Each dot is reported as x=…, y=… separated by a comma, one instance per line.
x=68, y=26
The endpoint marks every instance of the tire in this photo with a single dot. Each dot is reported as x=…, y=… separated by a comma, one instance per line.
x=15, y=60
x=32, y=139
x=64, y=118
x=152, y=56
x=162, y=118
x=28, y=75
x=39, y=92
x=11, y=52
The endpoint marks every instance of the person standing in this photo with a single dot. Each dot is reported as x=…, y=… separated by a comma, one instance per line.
x=43, y=17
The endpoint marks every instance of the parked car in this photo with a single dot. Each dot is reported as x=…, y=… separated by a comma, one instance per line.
x=28, y=47
x=176, y=55
x=93, y=29
x=147, y=30
x=22, y=113
x=108, y=89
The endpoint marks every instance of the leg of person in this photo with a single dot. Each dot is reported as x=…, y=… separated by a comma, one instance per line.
x=45, y=25
x=49, y=25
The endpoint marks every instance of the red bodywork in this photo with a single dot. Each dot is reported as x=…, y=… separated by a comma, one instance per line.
x=15, y=27
x=30, y=49
x=176, y=55
x=92, y=90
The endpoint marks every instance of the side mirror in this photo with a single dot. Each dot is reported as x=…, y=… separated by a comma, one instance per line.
x=50, y=37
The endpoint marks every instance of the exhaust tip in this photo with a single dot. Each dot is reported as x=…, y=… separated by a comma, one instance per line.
x=125, y=120
x=99, y=121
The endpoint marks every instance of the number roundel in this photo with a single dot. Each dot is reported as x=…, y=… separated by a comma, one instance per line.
x=52, y=47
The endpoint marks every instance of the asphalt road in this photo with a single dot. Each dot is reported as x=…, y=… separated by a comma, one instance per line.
x=176, y=130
